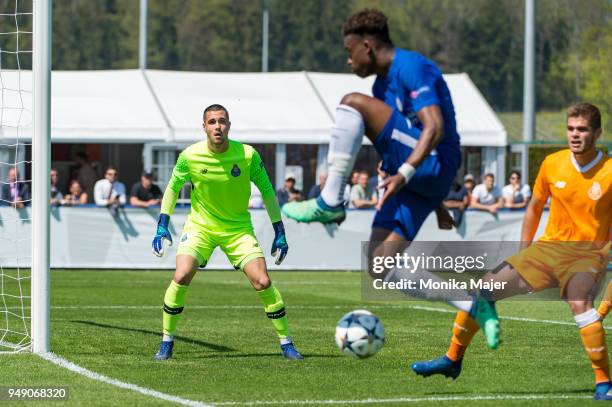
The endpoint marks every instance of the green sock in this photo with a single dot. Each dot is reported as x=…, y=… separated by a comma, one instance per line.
x=275, y=309
x=174, y=300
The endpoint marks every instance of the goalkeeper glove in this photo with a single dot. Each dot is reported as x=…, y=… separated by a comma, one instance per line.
x=279, y=246
x=162, y=234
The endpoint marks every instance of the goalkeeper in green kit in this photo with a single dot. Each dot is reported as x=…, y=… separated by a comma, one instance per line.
x=220, y=171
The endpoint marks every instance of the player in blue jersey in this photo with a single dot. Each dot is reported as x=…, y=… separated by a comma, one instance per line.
x=411, y=123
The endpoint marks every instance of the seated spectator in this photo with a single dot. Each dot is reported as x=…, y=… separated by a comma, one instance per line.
x=145, y=193
x=487, y=196
x=469, y=183
x=375, y=180
x=256, y=200
x=354, y=178
x=288, y=193
x=109, y=192
x=457, y=202
x=56, y=195
x=15, y=193
x=362, y=195
x=87, y=175
x=315, y=191
x=75, y=195
x=515, y=195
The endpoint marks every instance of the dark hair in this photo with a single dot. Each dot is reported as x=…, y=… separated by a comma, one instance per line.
x=517, y=172
x=368, y=22
x=73, y=181
x=489, y=174
x=588, y=111
x=215, y=108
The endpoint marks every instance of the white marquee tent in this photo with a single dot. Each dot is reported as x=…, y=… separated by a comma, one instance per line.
x=134, y=106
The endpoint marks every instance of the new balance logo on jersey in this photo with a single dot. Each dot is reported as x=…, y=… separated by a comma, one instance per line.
x=203, y=171
x=235, y=170
x=560, y=184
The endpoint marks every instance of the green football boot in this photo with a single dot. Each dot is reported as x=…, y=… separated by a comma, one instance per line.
x=484, y=313
x=314, y=210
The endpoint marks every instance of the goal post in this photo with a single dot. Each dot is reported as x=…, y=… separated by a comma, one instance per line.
x=41, y=167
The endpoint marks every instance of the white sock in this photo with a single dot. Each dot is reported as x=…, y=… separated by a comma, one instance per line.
x=346, y=137
x=168, y=338
x=459, y=299
x=285, y=340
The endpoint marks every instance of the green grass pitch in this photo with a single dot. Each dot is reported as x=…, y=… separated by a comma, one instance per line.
x=227, y=353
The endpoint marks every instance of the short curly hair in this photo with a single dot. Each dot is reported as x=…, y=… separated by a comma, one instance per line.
x=368, y=22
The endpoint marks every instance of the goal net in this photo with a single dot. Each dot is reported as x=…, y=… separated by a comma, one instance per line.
x=21, y=202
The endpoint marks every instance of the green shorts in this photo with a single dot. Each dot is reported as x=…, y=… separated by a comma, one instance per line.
x=240, y=246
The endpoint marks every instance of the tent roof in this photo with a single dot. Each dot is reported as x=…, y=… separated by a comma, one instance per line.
x=264, y=107
x=93, y=107
x=133, y=106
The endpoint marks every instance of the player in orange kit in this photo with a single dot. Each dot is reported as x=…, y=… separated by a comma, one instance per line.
x=573, y=252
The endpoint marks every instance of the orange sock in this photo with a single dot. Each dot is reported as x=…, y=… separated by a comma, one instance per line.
x=606, y=302
x=464, y=330
x=594, y=341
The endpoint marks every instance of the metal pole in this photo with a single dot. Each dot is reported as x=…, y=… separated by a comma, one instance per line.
x=142, y=37
x=41, y=167
x=264, y=38
x=528, y=84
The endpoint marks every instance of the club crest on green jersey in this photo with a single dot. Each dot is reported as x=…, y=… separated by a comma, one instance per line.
x=203, y=171
x=235, y=170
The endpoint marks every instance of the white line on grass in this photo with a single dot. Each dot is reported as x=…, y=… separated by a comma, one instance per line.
x=407, y=399
x=347, y=307
x=113, y=382
x=156, y=394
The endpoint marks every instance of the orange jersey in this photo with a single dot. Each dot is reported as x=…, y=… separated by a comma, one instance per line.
x=580, y=198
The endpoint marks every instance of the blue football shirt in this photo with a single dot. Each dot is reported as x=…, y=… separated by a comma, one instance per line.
x=412, y=83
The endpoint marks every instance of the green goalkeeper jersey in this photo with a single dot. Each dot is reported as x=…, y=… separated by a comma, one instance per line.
x=221, y=186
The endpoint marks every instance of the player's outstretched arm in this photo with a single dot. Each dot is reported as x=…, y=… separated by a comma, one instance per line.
x=531, y=220
x=534, y=210
x=260, y=178
x=180, y=175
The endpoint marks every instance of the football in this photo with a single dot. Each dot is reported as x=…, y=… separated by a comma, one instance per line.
x=360, y=334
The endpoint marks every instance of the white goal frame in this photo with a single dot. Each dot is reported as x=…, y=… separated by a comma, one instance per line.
x=41, y=167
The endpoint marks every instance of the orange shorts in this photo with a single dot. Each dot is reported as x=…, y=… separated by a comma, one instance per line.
x=547, y=264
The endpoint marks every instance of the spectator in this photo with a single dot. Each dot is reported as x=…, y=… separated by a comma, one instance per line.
x=354, y=178
x=375, y=180
x=457, y=202
x=256, y=200
x=468, y=184
x=362, y=195
x=86, y=175
x=56, y=195
x=288, y=193
x=75, y=195
x=487, y=196
x=515, y=195
x=109, y=192
x=15, y=192
x=315, y=191
x=145, y=193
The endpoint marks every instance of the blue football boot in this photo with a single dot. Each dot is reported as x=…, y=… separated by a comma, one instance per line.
x=165, y=351
x=289, y=352
x=603, y=391
x=443, y=366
